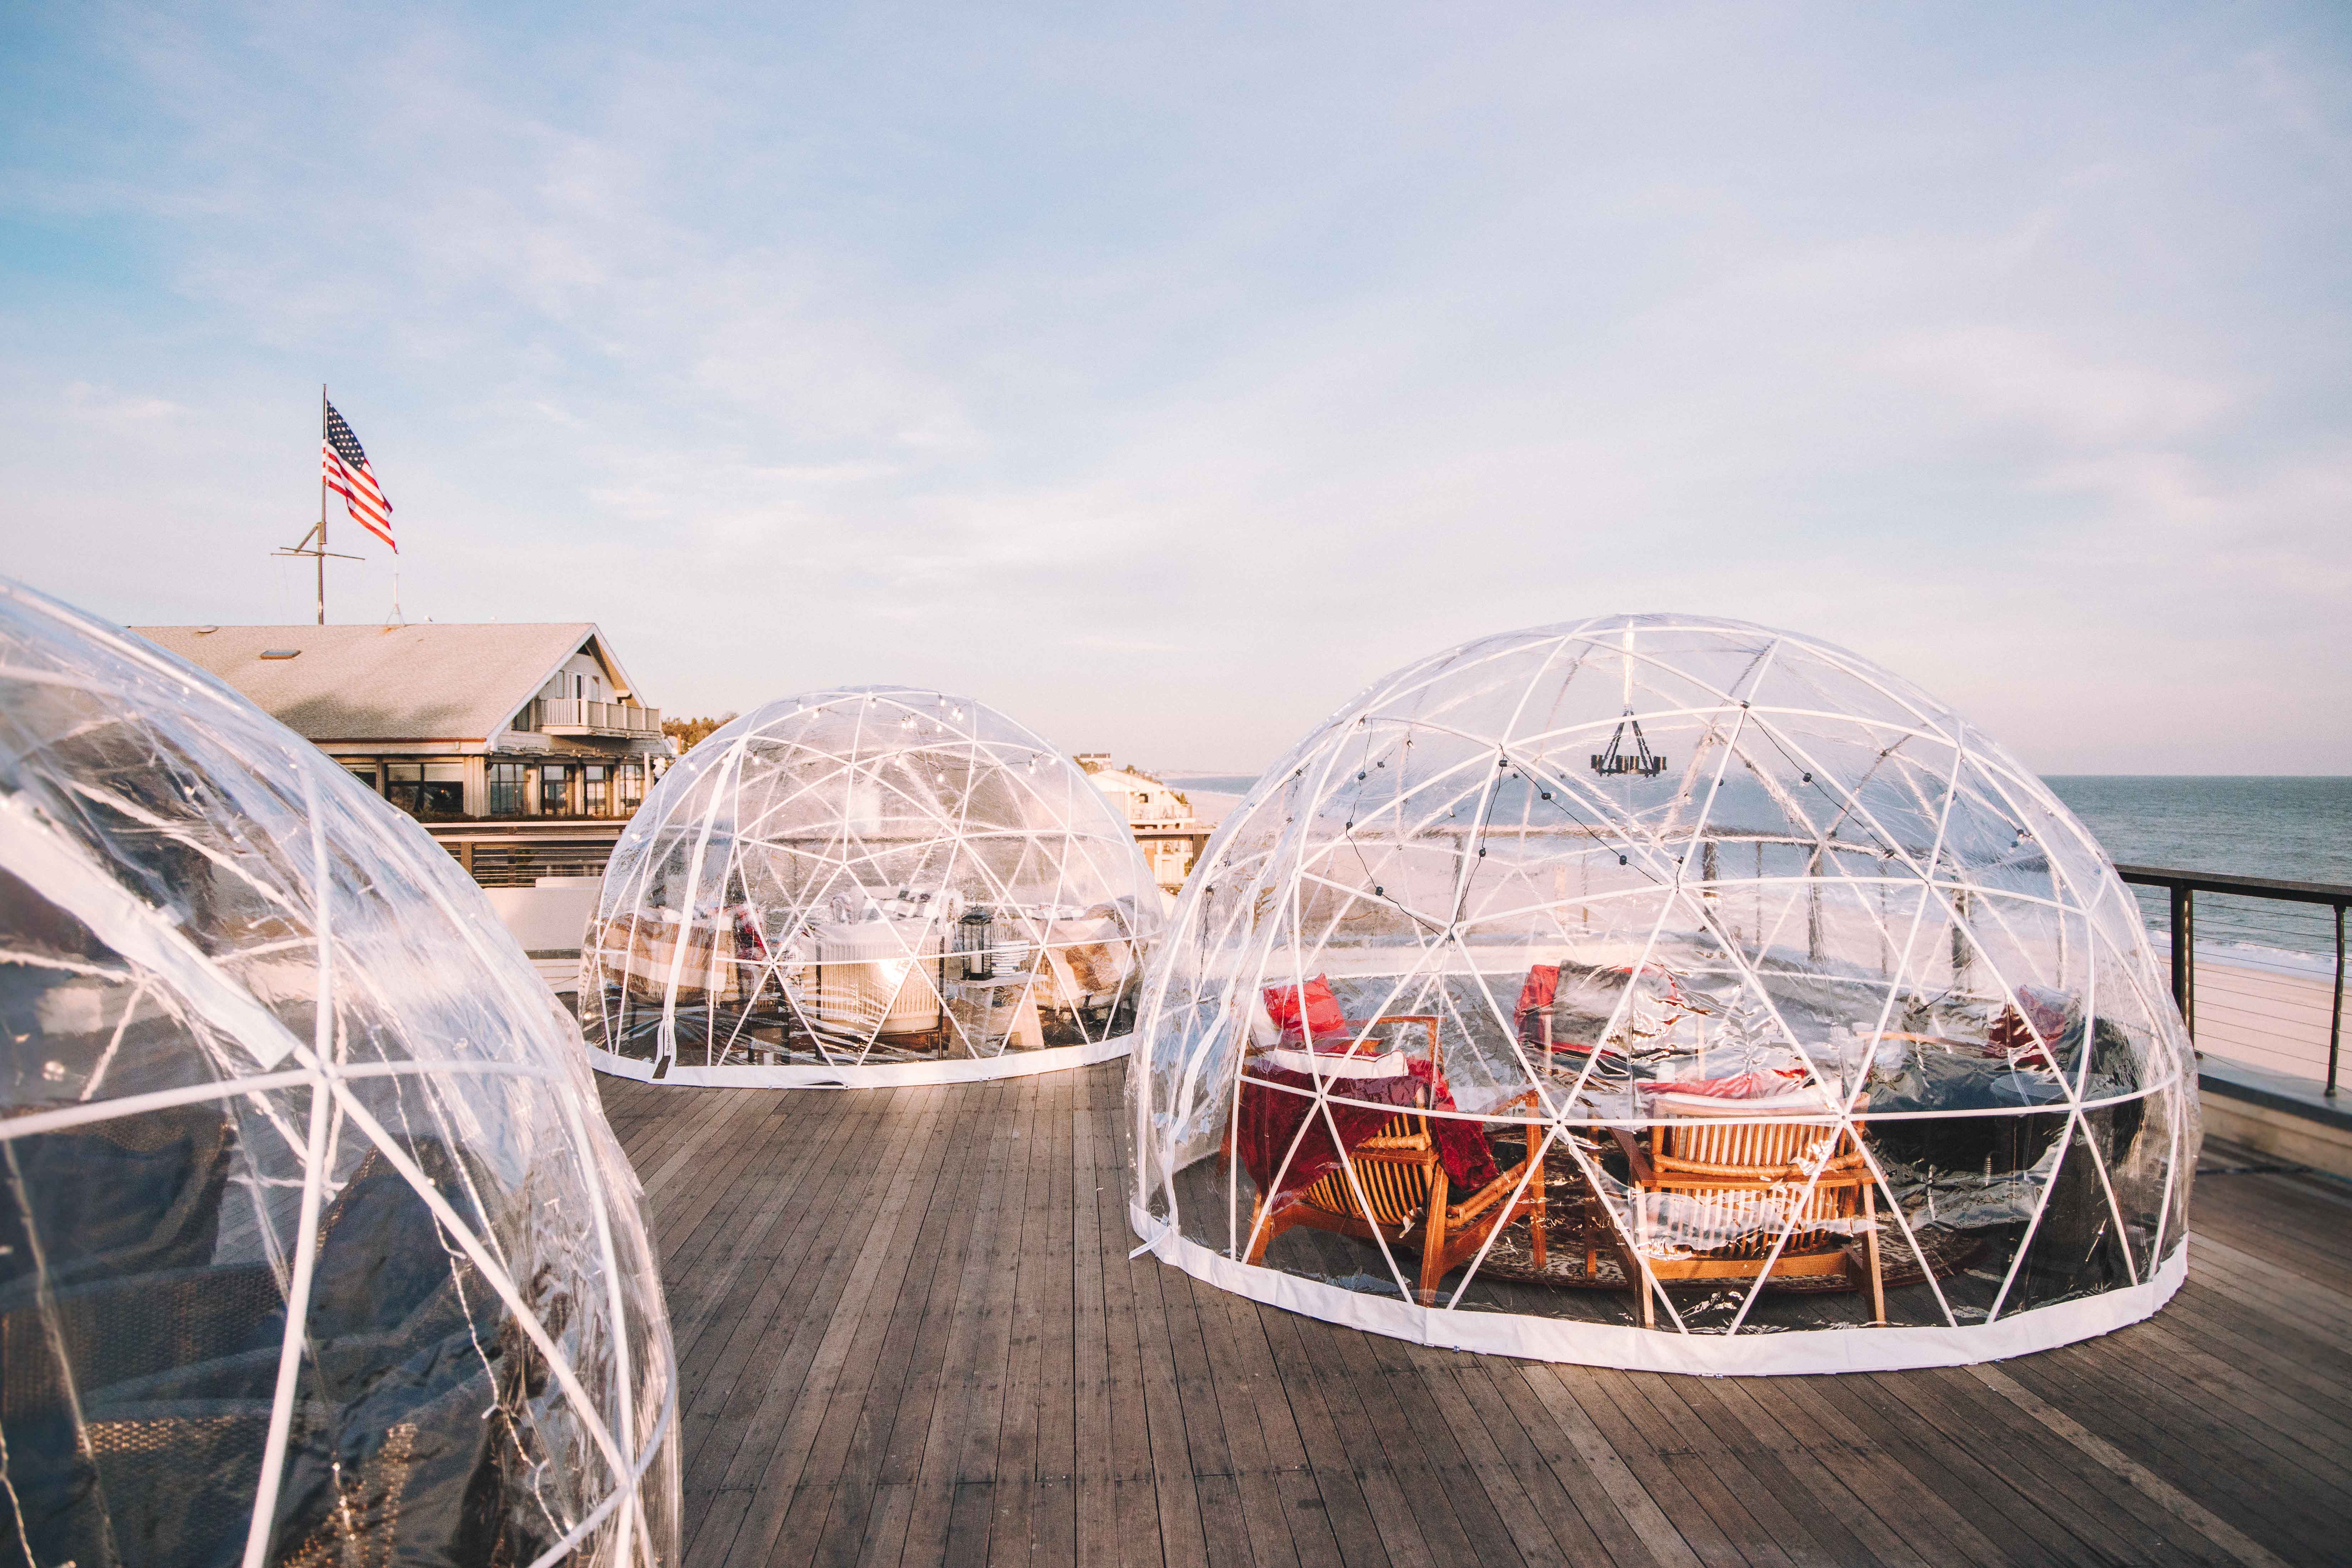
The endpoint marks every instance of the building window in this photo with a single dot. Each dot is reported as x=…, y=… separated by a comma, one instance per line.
x=593, y=800
x=444, y=789
x=578, y=687
x=428, y=789
x=407, y=786
x=633, y=786
x=554, y=790
x=506, y=789
x=364, y=773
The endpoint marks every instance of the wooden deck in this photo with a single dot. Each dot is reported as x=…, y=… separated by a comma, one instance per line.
x=910, y=1333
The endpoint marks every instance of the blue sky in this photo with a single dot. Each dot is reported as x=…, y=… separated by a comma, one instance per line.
x=1163, y=374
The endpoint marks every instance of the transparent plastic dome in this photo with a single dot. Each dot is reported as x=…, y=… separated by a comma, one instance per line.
x=1666, y=993
x=869, y=885
x=314, y=1245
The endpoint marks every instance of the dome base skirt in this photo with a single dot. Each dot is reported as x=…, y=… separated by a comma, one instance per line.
x=876, y=1075
x=1781, y=1354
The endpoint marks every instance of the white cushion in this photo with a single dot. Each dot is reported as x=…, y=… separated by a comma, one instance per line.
x=1328, y=1064
x=1808, y=1103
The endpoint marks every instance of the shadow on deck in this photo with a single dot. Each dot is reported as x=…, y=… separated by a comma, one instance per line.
x=910, y=1333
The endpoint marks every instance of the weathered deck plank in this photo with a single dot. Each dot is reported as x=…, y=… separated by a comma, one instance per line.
x=910, y=1333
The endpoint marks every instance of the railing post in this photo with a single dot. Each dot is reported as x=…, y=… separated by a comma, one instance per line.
x=2336, y=1014
x=2184, y=956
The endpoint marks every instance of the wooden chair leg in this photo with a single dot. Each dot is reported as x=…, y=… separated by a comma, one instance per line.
x=1535, y=1220
x=1433, y=1236
x=1641, y=1246
x=1264, y=1234
x=1869, y=1249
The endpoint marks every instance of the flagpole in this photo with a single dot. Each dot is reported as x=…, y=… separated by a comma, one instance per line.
x=318, y=530
x=322, y=507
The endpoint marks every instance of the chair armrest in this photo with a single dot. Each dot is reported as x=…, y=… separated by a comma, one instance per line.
x=1426, y=1020
x=1634, y=1156
x=1527, y=1099
x=1486, y=1196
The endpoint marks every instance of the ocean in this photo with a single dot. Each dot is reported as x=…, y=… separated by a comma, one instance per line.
x=1215, y=784
x=2295, y=829
x=2292, y=829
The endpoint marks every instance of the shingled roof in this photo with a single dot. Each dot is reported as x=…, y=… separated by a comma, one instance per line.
x=432, y=682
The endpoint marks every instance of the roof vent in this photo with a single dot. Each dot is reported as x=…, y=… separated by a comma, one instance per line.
x=279, y=652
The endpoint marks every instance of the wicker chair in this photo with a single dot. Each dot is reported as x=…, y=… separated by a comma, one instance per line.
x=1408, y=1193
x=1729, y=1173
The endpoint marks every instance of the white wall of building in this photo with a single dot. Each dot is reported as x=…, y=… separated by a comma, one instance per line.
x=1141, y=799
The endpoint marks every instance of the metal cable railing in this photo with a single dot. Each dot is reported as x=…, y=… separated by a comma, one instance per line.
x=2257, y=965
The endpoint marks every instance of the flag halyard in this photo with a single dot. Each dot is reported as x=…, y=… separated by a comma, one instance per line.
x=344, y=468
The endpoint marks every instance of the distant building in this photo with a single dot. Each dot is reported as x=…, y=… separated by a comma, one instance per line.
x=522, y=747
x=1159, y=815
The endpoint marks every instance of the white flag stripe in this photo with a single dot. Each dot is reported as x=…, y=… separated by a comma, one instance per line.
x=356, y=488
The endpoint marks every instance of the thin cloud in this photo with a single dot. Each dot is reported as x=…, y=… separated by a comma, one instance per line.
x=105, y=405
x=2006, y=376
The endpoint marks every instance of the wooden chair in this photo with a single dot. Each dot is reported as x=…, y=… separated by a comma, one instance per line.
x=1726, y=1171
x=1409, y=1196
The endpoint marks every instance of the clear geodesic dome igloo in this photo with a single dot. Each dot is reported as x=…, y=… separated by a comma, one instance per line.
x=863, y=886
x=314, y=1245
x=1664, y=993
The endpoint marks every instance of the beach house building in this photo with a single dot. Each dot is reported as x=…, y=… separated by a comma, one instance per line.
x=1159, y=817
x=522, y=747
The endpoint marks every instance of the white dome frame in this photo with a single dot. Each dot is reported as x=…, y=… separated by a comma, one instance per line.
x=292, y=829
x=1314, y=846
x=895, y=811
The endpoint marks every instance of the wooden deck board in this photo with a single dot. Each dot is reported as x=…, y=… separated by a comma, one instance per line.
x=894, y=1424
x=910, y=1333
x=1585, y=1526
x=810, y=1457
x=1094, y=1486
x=783, y=1349
x=1344, y=1498
x=2037, y=1465
x=725, y=1372
x=954, y=1388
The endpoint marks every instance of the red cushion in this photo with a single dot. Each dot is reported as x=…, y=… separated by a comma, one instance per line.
x=1324, y=1019
x=1536, y=993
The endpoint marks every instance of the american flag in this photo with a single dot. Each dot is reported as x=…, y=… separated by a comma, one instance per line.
x=345, y=468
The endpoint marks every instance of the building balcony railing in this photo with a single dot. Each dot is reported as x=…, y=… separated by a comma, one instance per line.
x=577, y=716
x=2265, y=959
x=517, y=851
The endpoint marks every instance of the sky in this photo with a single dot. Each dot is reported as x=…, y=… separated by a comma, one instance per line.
x=1163, y=374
